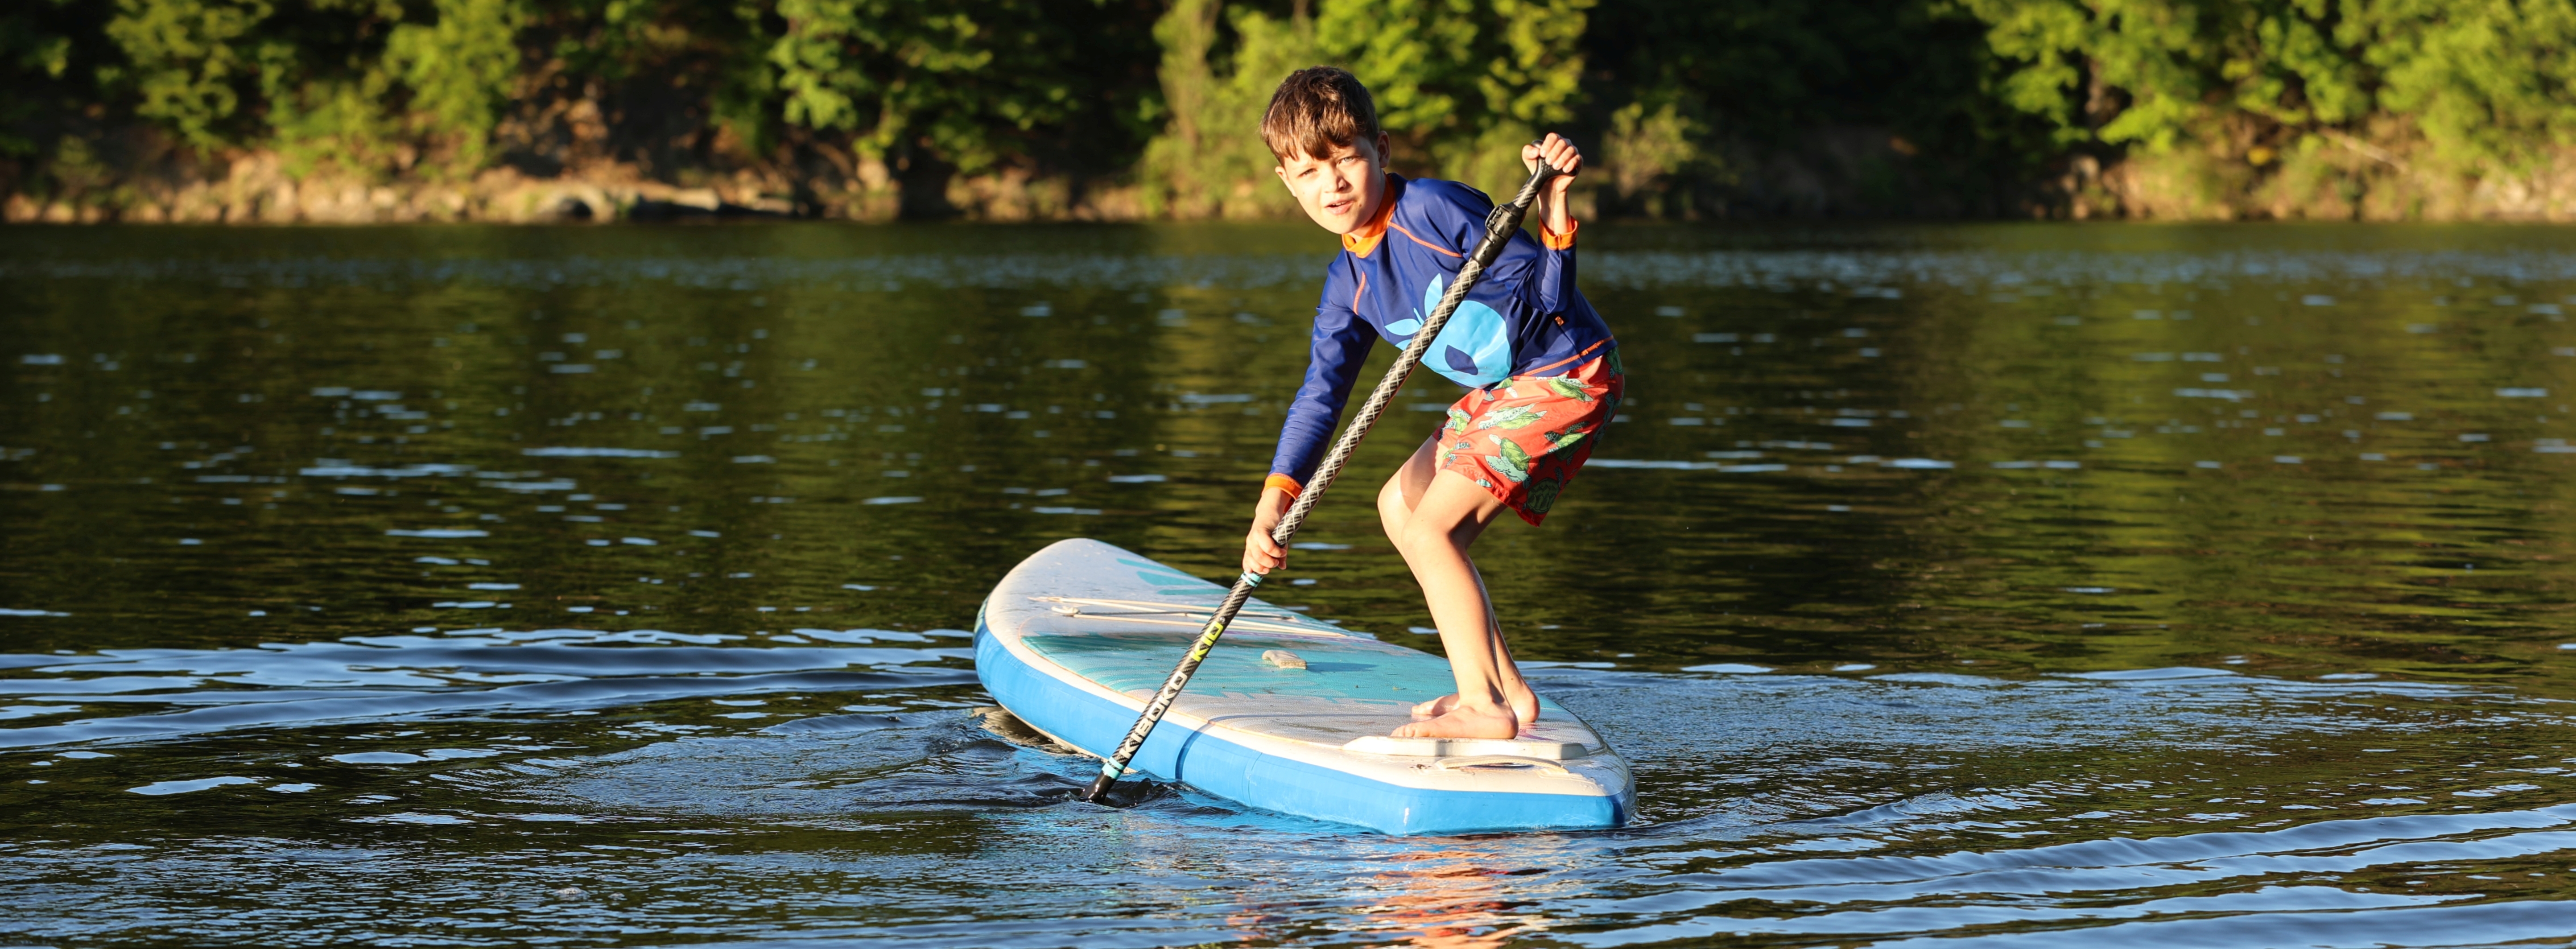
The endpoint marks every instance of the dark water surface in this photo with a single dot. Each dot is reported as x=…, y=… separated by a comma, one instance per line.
x=2012, y=585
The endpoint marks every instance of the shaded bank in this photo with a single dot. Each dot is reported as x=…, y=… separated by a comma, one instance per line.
x=547, y=110
x=1834, y=172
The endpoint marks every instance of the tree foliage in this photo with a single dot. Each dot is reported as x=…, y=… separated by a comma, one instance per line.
x=2487, y=80
x=1459, y=84
x=1692, y=93
x=1685, y=103
x=970, y=82
x=461, y=67
x=189, y=62
x=1217, y=71
x=1466, y=81
x=2485, y=83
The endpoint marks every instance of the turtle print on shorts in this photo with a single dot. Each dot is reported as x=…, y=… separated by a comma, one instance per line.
x=1524, y=438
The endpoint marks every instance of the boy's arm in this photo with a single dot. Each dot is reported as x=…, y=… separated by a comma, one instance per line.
x=1341, y=344
x=1539, y=274
x=1552, y=284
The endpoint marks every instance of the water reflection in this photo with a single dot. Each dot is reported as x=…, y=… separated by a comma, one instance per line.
x=1445, y=898
x=2170, y=585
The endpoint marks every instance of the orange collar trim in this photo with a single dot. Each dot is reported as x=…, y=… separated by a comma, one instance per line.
x=1364, y=239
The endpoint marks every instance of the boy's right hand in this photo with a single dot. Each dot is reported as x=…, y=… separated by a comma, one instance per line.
x=1261, y=552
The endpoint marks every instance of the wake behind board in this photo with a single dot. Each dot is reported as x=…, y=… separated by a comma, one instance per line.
x=1078, y=637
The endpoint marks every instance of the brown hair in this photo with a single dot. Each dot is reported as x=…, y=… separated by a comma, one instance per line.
x=1316, y=109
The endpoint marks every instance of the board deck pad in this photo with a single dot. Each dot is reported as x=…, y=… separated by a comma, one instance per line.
x=1351, y=687
x=1078, y=637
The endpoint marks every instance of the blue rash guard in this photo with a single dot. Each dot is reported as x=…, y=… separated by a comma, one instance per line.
x=1524, y=317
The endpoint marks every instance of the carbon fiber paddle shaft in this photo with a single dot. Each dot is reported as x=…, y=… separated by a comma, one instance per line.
x=1499, y=228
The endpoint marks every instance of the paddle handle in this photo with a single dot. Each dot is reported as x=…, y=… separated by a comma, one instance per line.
x=1499, y=228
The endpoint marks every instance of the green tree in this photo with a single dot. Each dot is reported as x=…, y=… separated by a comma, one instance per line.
x=967, y=84
x=2481, y=87
x=460, y=67
x=1464, y=83
x=50, y=53
x=1688, y=106
x=1210, y=160
x=325, y=95
x=1690, y=94
x=189, y=62
x=2491, y=83
x=2182, y=68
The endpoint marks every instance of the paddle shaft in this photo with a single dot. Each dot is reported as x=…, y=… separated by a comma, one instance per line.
x=1499, y=228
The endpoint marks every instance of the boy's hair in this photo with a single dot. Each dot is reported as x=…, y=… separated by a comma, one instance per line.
x=1316, y=109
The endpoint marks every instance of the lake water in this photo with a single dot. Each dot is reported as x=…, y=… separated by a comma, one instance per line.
x=2000, y=584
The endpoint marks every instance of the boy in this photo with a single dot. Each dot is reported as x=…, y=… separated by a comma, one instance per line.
x=1542, y=371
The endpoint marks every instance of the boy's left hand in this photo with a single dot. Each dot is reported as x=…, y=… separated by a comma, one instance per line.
x=1561, y=155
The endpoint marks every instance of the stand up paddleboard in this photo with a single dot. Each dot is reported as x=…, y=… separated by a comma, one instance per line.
x=1288, y=714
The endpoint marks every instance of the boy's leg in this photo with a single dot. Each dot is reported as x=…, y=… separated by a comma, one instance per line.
x=1395, y=504
x=1405, y=488
x=1445, y=521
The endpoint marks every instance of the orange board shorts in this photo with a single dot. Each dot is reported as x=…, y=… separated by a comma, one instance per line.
x=1524, y=438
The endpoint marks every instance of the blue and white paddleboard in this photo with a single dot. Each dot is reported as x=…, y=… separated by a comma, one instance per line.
x=1079, y=636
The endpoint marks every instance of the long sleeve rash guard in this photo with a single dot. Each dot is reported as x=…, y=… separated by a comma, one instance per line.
x=1524, y=317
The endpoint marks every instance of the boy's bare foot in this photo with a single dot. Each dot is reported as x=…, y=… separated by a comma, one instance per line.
x=1524, y=705
x=1465, y=723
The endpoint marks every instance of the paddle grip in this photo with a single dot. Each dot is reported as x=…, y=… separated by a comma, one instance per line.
x=1499, y=228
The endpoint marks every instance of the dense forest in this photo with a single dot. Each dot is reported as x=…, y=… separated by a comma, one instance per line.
x=353, y=110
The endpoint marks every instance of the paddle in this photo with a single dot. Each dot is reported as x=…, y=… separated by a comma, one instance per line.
x=1499, y=228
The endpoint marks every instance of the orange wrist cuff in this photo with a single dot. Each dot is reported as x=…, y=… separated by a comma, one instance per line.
x=1555, y=241
x=1284, y=483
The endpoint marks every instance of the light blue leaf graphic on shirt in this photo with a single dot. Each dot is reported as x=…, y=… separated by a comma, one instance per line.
x=1474, y=349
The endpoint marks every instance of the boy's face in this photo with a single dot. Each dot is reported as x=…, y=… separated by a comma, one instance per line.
x=1340, y=190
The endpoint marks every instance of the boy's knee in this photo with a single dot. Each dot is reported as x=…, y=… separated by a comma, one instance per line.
x=1391, y=507
x=1418, y=536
